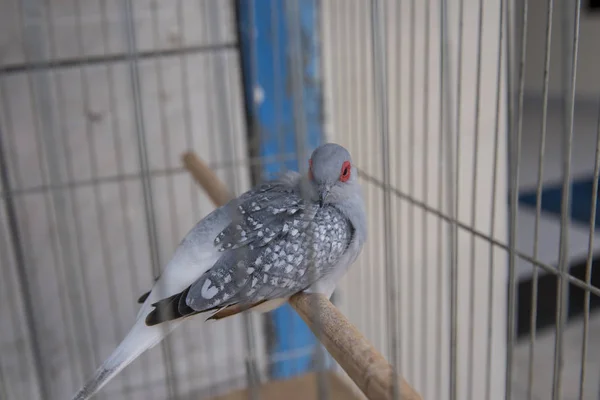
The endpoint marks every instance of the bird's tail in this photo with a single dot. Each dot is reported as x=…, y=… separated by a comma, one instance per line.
x=139, y=339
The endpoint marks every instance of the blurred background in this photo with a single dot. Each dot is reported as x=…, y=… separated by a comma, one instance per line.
x=488, y=109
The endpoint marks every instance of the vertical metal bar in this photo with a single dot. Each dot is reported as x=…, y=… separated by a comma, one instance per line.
x=187, y=114
x=425, y=284
x=563, y=285
x=398, y=205
x=360, y=143
x=132, y=58
x=412, y=357
x=452, y=154
x=378, y=27
x=588, y=264
x=514, y=203
x=363, y=124
x=296, y=77
x=454, y=176
x=164, y=126
x=443, y=119
x=115, y=127
x=277, y=87
x=490, y=321
x=23, y=278
x=538, y=204
x=472, y=274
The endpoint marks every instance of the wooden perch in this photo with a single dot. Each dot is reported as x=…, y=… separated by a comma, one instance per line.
x=206, y=178
x=364, y=364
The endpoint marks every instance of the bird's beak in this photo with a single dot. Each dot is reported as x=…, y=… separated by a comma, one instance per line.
x=323, y=193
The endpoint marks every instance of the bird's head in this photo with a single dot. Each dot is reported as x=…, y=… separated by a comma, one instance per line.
x=331, y=173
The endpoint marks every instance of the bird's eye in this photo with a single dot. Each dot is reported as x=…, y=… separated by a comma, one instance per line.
x=345, y=174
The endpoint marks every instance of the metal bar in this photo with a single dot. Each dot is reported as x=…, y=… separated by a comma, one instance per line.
x=443, y=119
x=563, y=286
x=363, y=126
x=538, y=206
x=397, y=206
x=120, y=158
x=187, y=113
x=379, y=32
x=412, y=356
x=473, y=271
x=490, y=321
x=514, y=206
x=425, y=284
x=90, y=60
x=454, y=183
x=451, y=157
x=133, y=60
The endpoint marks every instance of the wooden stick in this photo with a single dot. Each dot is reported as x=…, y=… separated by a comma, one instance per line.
x=206, y=178
x=364, y=364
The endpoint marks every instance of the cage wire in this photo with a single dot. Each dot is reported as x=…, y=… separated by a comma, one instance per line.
x=446, y=106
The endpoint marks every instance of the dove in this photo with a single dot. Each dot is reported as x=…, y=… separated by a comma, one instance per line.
x=296, y=233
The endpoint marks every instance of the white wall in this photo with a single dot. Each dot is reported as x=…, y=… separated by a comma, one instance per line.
x=76, y=333
x=421, y=253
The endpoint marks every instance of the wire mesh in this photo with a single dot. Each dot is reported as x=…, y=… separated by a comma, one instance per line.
x=446, y=106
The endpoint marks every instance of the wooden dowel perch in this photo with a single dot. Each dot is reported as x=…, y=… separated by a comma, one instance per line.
x=364, y=364
x=206, y=178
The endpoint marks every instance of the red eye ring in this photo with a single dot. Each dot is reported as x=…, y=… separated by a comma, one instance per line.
x=346, y=171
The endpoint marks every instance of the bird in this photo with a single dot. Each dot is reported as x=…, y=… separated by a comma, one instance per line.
x=294, y=233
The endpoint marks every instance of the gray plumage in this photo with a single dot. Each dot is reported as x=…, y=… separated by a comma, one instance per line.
x=281, y=246
x=297, y=233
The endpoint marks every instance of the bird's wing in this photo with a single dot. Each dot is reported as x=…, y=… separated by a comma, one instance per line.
x=279, y=246
x=197, y=253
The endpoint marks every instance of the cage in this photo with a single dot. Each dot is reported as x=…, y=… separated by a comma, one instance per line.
x=475, y=128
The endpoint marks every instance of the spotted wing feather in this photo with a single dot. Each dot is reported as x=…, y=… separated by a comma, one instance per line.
x=261, y=217
x=302, y=244
x=289, y=263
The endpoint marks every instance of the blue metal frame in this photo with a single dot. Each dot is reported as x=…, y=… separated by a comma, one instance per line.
x=264, y=40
